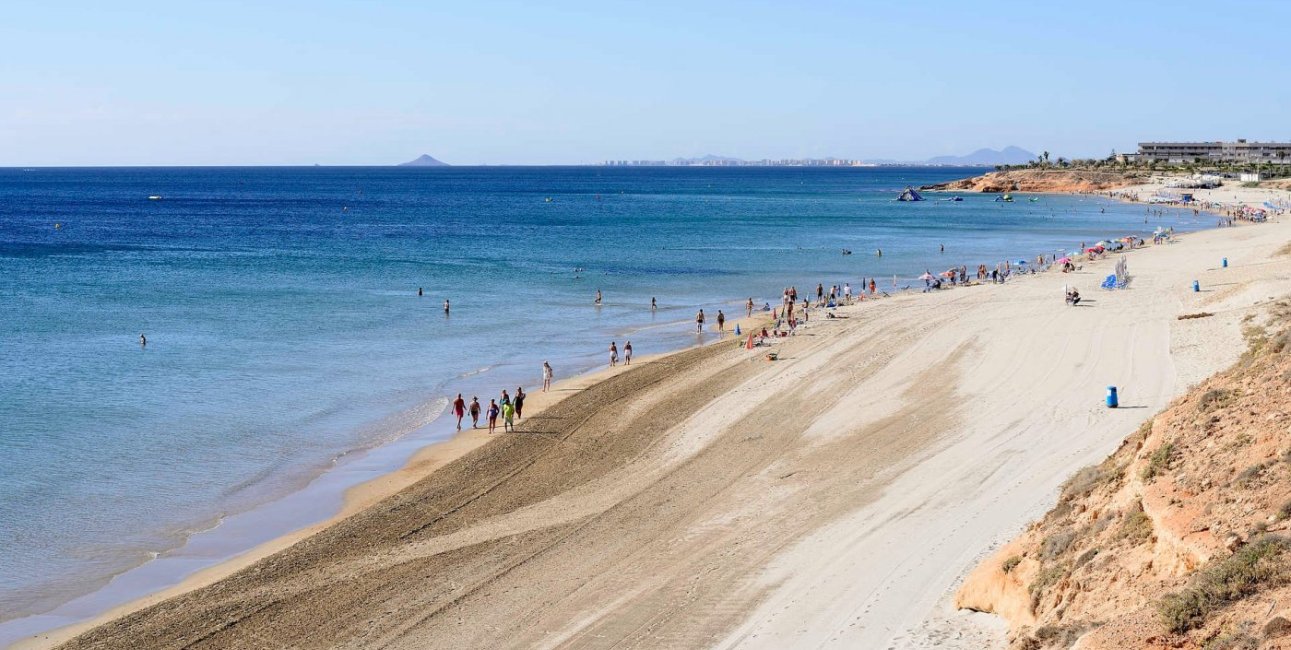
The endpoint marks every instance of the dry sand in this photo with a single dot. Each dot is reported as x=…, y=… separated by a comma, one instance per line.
x=836, y=496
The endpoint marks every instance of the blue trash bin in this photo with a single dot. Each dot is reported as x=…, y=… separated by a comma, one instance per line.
x=1196, y=286
x=1112, y=401
x=1225, y=262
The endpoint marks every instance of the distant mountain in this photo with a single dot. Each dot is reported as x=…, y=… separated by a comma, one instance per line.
x=424, y=160
x=1005, y=156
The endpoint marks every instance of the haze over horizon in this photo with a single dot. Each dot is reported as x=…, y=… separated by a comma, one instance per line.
x=335, y=83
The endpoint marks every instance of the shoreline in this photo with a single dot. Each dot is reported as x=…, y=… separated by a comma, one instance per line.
x=421, y=463
x=356, y=498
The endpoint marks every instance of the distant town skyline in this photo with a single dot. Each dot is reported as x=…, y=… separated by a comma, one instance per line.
x=336, y=83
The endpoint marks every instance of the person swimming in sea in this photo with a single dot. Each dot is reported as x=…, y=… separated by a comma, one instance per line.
x=653, y=305
x=598, y=296
x=447, y=306
x=143, y=341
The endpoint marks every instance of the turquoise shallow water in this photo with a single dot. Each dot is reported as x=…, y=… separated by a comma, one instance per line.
x=285, y=331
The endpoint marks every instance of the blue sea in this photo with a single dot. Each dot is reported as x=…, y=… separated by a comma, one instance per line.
x=289, y=352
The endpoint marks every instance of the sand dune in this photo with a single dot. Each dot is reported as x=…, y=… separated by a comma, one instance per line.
x=711, y=498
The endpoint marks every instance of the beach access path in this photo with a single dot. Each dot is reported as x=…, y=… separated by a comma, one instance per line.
x=710, y=498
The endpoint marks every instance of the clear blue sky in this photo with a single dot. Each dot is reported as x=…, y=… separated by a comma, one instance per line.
x=229, y=82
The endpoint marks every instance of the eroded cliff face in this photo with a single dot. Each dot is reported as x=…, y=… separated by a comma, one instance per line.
x=1041, y=180
x=1179, y=539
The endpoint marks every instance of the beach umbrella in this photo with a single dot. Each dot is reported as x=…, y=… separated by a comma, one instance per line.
x=1062, y=260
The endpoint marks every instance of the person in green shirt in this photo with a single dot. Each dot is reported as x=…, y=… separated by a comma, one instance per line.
x=508, y=417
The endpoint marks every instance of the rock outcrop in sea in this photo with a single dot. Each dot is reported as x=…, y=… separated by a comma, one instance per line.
x=1042, y=180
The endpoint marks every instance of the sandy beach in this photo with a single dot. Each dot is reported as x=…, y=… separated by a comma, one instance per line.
x=710, y=498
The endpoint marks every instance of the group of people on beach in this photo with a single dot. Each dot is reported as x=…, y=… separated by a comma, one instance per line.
x=509, y=407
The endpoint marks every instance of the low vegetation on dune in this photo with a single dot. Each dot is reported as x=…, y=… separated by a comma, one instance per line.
x=1179, y=539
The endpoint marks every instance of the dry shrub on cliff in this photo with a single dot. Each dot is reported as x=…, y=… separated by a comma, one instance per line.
x=1233, y=641
x=1214, y=398
x=1137, y=527
x=1158, y=461
x=1256, y=566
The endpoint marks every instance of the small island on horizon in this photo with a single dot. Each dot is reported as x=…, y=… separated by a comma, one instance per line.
x=424, y=160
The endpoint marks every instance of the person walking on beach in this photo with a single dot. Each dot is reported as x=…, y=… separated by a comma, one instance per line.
x=748, y=307
x=506, y=399
x=475, y=412
x=721, y=323
x=508, y=417
x=614, y=354
x=546, y=376
x=627, y=353
x=874, y=287
x=820, y=294
x=519, y=401
x=459, y=409
x=699, y=321
x=847, y=293
x=493, y=416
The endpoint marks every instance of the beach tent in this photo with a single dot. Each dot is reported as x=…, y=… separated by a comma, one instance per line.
x=909, y=195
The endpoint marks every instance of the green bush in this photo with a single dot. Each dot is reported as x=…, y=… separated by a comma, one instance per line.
x=1011, y=563
x=1158, y=461
x=1257, y=565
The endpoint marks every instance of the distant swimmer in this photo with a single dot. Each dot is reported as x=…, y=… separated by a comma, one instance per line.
x=143, y=340
x=419, y=294
x=943, y=248
x=880, y=252
x=447, y=307
x=546, y=376
x=598, y=296
x=654, y=306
